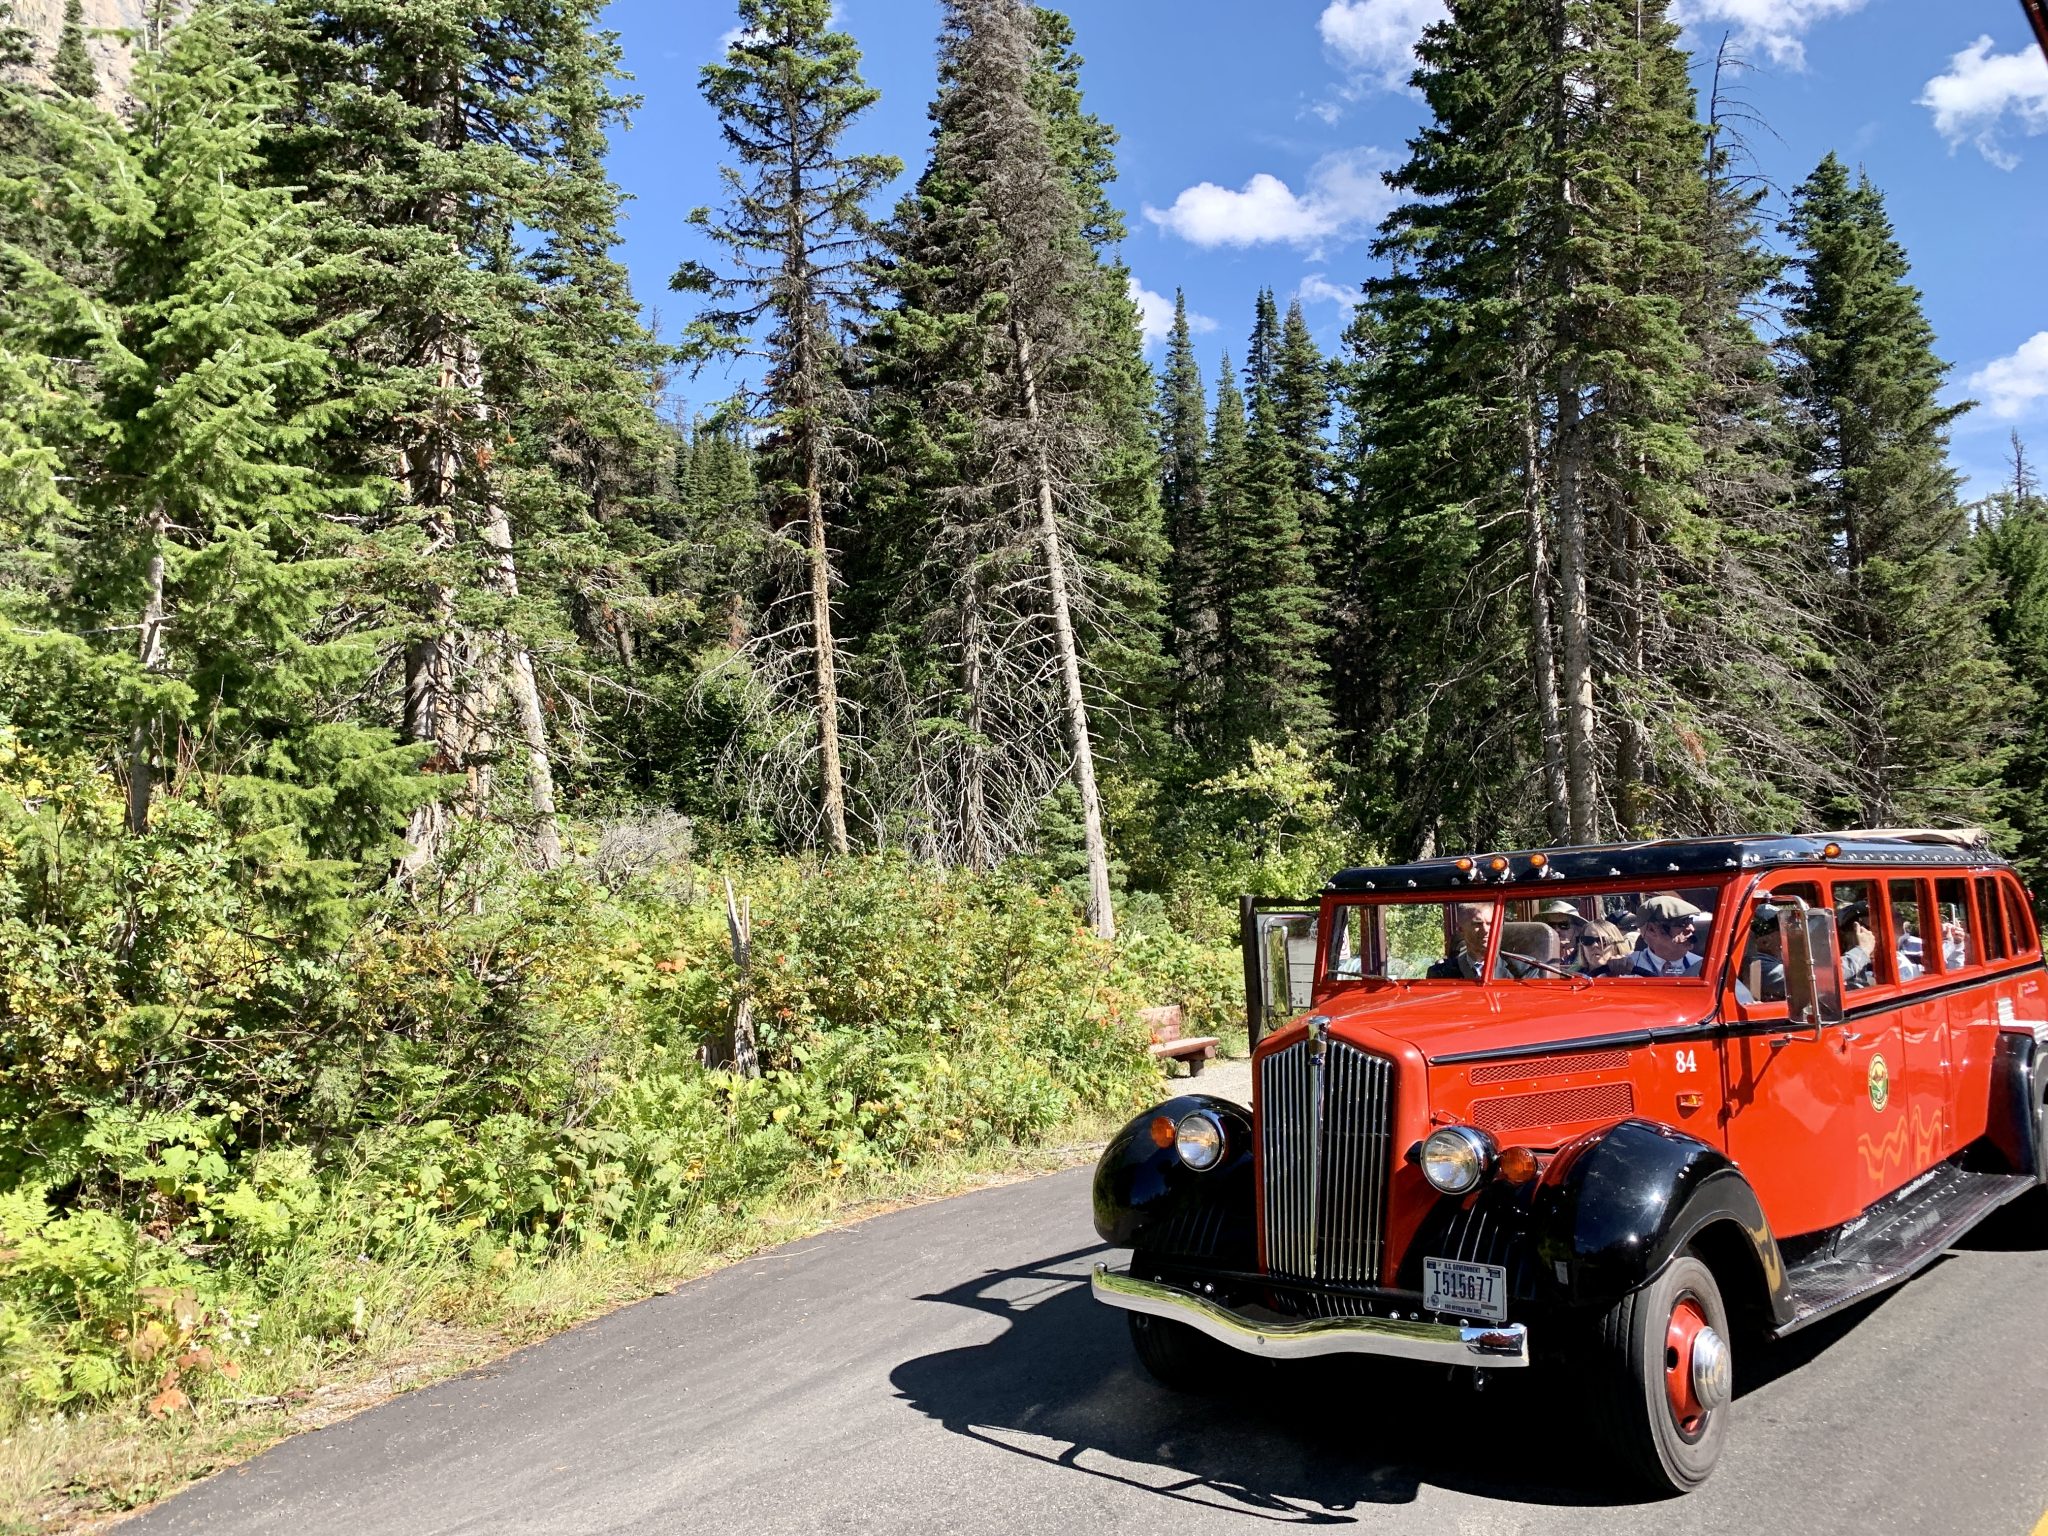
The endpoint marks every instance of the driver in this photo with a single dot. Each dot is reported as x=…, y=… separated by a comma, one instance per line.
x=1475, y=932
x=1668, y=921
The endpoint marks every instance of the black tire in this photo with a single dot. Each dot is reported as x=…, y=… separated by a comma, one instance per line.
x=1633, y=1410
x=2040, y=1130
x=1176, y=1355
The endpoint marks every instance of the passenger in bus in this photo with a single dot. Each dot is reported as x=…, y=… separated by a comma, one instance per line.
x=1564, y=919
x=1762, y=977
x=1602, y=950
x=1667, y=923
x=1475, y=931
x=1859, y=944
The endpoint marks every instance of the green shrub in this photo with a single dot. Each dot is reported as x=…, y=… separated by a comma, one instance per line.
x=209, y=1118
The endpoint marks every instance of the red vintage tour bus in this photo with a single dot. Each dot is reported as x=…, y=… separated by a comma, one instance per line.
x=1620, y=1108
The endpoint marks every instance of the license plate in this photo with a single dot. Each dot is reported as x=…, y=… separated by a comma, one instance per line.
x=1467, y=1290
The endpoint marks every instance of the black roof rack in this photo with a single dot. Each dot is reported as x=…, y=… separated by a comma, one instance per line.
x=1671, y=859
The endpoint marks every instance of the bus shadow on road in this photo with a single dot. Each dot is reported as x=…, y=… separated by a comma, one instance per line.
x=1302, y=1444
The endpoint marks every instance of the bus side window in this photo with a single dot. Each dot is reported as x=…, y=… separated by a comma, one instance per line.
x=1866, y=954
x=1909, y=928
x=1994, y=918
x=1952, y=908
x=2024, y=939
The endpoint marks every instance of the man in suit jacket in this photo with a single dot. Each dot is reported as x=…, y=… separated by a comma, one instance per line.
x=1667, y=923
x=1475, y=933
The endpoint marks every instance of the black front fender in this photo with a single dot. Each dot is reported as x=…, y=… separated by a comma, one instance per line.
x=1147, y=1199
x=1618, y=1205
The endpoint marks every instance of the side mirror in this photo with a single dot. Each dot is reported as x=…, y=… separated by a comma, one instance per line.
x=1813, y=965
x=1279, y=942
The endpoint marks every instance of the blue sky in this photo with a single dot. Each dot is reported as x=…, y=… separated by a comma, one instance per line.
x=1254, y=131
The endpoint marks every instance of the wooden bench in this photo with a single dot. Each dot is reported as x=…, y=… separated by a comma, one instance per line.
x=1169, y=1044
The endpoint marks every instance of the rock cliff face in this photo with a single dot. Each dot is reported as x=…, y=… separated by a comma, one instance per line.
x=111, y=59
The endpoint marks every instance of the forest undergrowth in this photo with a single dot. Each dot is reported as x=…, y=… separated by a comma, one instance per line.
x=240, y=1163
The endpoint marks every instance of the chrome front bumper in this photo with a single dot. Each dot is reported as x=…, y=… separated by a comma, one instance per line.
x=1494, y=1346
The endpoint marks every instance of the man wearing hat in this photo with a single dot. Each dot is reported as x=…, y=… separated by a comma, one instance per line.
x=1667, y=928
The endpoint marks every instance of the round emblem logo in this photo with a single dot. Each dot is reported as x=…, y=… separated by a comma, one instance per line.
x=1880, y=1083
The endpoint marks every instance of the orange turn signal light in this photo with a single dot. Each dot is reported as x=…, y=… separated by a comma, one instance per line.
x=1162, y=1132
x=1516, y=1164
x=1691, y=1100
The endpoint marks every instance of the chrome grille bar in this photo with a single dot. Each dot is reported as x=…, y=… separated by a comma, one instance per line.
x=1326, y=1154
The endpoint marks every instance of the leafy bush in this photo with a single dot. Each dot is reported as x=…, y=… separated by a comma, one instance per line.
x=209, y=1117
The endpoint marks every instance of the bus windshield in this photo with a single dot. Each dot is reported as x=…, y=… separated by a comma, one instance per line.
x=1608, y=935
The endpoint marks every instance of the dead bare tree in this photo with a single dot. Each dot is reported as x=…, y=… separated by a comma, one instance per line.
x=796, y=232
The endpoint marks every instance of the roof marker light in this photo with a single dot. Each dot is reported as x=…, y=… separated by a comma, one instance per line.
x=1465, y=865
x=1497, y=864
x=1831, y=851
x=1539, y=860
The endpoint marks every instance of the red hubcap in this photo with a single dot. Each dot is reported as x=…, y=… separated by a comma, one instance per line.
x=1687, y=1323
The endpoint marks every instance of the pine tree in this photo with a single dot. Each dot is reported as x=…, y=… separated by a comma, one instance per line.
x=441, y=143
x=1271, y=671
x=2012, y=545
x=1118, y=528
x=1184, y=444
x=1229, y=526
x=1262, y=352
x=796, y=232
x=1016, y=409
x=71, y=72
x=1550, y=312
x=1301, y=409
x=200, y=541
x=1914, y=688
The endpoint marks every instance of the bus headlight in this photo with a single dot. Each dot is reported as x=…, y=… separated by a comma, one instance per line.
x=1456, y=1158
x=1199, y=1140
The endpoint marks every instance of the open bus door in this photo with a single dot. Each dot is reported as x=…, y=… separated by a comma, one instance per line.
x=1278, y=936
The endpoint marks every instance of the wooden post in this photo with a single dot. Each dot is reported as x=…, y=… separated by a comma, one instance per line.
x=739, y=925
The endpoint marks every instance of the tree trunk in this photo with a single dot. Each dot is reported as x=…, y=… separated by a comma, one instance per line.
x=1631, y=752
x=1581, y=775
x=739, y=927
x=977, y=851
x=141, y=772
x=434, y=704
x=1101, y=913
x=831, y=784
x=1542, y=639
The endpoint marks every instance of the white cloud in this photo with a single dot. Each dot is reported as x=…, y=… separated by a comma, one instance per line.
x=1972, y=99
x=2014, y=383
x=1347, y=193
x=1377, y=37
x=1778, y=27
x=1318, y=289
x=1155, y=314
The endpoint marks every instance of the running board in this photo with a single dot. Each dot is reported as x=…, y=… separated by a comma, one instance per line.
x=1895, y=1239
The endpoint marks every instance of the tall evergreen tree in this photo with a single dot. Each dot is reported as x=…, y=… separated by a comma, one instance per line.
x=71, y=71
x=1301, y=410
x=438, y=142
x=1915, y=690
x=1271, y=670
x=1020, y=507
x=796, y=230
x=1545, y=312
x=2012, y=544
x=195, y=566
x=1184, y=445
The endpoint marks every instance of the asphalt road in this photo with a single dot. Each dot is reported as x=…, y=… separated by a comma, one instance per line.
x=943, y=1369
